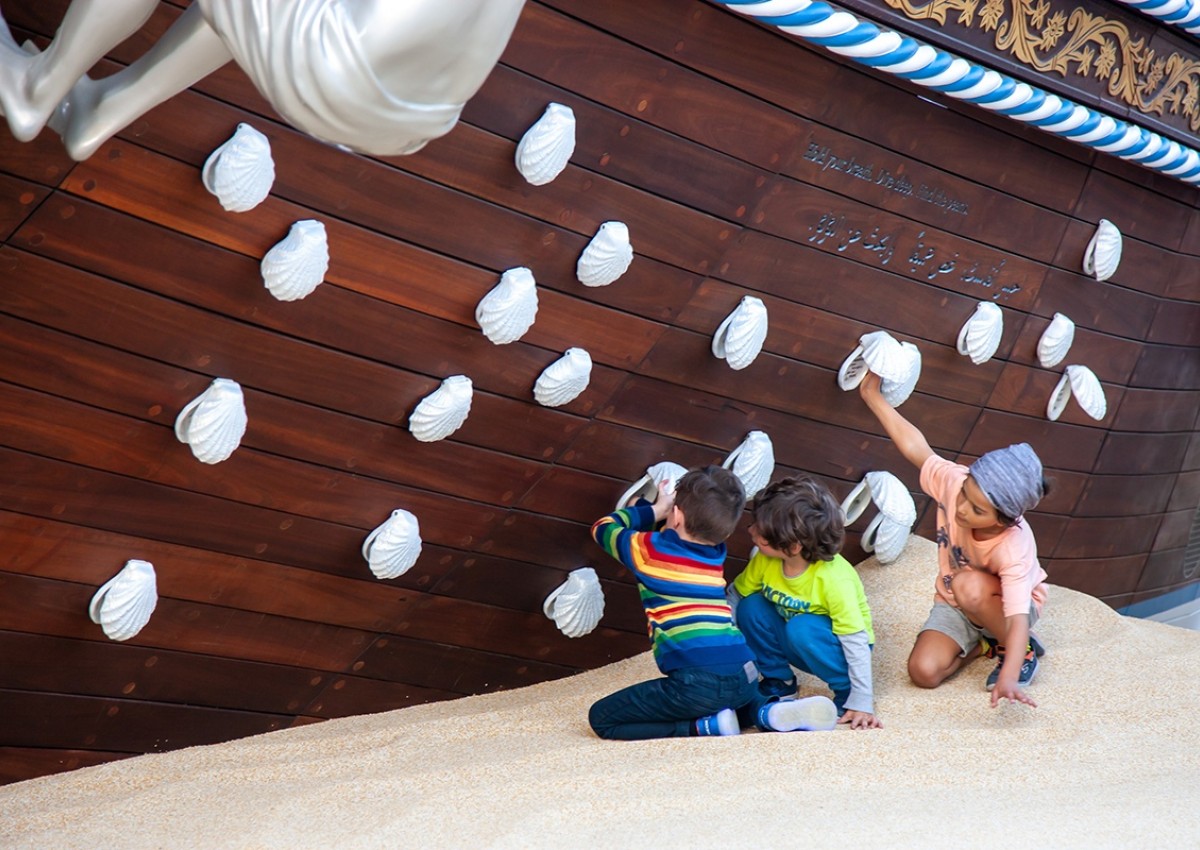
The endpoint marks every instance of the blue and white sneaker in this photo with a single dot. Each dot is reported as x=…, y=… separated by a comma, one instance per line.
x=1028, y=668
x=724, y=722
x=809, y=714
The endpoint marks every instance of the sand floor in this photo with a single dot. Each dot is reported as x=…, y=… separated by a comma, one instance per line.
x=1110, y=758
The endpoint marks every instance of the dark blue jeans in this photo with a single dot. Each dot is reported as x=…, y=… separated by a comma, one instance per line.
x=806, y=641
x=668, y=708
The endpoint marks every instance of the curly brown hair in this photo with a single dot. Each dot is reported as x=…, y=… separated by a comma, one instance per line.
x=712, y=499
x=800, y=515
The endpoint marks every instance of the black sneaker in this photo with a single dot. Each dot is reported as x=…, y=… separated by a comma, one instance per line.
x=777, y=687
x=1028, y=668
x=1038, y=649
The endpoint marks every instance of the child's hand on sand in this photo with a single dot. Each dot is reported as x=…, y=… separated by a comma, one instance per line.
x=860, y=720
x=1011, y=692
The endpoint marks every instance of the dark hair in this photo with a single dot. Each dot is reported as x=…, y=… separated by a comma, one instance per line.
x=712, y=499
x=1008, y=521
x=800, y=513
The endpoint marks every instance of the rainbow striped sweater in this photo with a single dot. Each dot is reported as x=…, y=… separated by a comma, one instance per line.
x=682, y=586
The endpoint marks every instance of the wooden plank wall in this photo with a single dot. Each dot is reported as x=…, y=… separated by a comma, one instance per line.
x=731, y=153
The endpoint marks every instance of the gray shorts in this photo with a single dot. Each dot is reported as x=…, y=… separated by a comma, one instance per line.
x=952, y=622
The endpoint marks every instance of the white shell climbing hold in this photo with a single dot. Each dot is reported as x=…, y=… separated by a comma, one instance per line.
x=1103, y=253
x=564, y=379
x=886, y=538
x=891, y=497
x=753, y=462
x=1056, y=341
x=508, y=310
x=980, y=334
x=740, y=337
x=888, y=494
x=297, y=264
x=606, y=257
x=546, y=147
x=879, y=352
x=393, y=547
x=123, y=604
x=577, y=604
x=896, y=392
x=241, y=171
x=646, y=487
x=1081, y=382
x=443, y=411
x=213, y=423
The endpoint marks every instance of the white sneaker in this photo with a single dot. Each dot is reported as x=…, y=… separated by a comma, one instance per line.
x=810, y=714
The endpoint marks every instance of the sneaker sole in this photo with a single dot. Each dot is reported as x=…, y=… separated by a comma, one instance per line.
x=810, y=714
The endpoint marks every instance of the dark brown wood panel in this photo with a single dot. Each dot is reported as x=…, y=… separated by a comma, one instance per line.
x=1027, y=391
x=1157, y=410
x=1186, y=493
x=345, y=696
x=1176, y=324
x=1125, y=495
x=20, y=763
x=49, y=720
x=1144, y=215
x=1111, y=358
x=1141, y=454
x=1060, y=445
x=1165, y=569
x=108, y=669
x=18, y=198
x=1104, y=577
x=1168, y=368
x=1106, y=537
x=1175, y=532
x=1098, y=305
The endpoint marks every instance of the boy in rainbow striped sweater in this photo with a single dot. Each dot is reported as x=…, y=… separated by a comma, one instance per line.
x=709, y=670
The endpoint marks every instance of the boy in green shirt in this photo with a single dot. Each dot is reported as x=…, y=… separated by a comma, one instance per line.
x=801, y=604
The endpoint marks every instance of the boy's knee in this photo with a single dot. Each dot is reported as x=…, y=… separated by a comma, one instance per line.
x=924, y=672
x=972, y=589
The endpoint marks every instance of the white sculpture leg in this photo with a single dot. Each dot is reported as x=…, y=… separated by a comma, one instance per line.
x=32, y=85
x=96, y=110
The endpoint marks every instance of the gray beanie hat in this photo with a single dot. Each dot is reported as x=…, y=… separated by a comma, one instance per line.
x=1011, y=478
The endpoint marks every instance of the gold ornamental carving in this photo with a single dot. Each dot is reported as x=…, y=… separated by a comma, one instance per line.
x=1049, y=39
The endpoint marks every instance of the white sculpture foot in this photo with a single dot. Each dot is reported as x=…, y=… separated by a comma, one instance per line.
x=25, y=117
x=73, y=120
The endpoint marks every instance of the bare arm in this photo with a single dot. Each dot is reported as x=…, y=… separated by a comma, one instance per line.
x=1016, y=638
x=907, y=437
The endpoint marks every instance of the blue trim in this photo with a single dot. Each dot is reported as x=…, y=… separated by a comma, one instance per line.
x=1170, y=599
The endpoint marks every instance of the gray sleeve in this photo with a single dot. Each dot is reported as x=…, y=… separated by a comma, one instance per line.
x=733, y=597
x=858, y=658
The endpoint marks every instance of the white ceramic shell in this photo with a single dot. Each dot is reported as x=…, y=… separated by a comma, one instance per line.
x=606, y=257
x=646, y=487
x=891, y=497
x=443, y=411
x=564, y=379
x=980, y=334
x=1085, y=386
x=739, y=338
x=896, y=392
x=214, y=422
x=886, y=538
x=577, y=604
x=853, y=370
x=393, y=547
x=1081, y=382
x=1103, y=253
x=123, y=604
x=546, y=147
x=241, y=171
x=508, y=310
x=1056, y=341
x=855, y=504
x=753, y=462
x=885, y=356
x=296, y=265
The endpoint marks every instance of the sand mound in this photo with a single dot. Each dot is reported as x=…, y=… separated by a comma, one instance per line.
x=1108, y=759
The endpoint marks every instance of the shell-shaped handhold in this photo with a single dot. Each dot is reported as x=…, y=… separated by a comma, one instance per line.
x=1056, y=341
x=740, y=337
x=564, y=379
x=896, y=392
x=980, y=334
x=664, y=472
x=885, y=356
x=886, y=538
x=509, y=309
x=1103, y=253
x=443, y=411
x=297, y=264
x=577, y=604
x=123, y=604
x=1081, y=382
x=753, y=462
x=546, y=147
x=606, y=257
x=891, y=497
x=213, y=423
x=393, y=547
x=240, y=172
